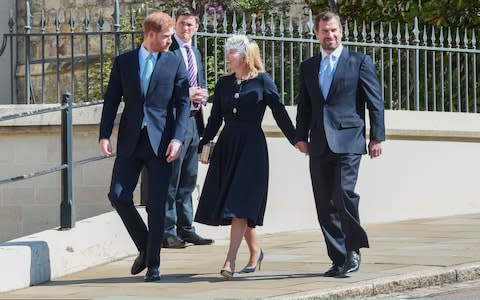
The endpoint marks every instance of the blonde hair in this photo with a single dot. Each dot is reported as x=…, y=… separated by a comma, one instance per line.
x=157, y=22
x=249, y=51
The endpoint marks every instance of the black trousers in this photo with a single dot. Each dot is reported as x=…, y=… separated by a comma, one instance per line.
x=126, y=171
x=334, y=177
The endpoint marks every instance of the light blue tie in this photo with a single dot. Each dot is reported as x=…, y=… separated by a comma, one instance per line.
x=326, y=74
x=147, y=73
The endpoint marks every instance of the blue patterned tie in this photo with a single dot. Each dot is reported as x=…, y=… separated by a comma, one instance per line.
x=326, y=74
x=147, y=73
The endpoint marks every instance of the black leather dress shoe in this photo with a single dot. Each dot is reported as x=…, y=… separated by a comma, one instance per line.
x=173, y=242
x=194, y=238
x=335, y=270
x=153, y=274
x=138, y=264
x=352, y=263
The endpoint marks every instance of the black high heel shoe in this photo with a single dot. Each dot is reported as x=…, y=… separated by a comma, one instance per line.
x=253, y=269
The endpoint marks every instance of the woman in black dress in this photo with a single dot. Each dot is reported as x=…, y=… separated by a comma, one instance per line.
x=236, y=184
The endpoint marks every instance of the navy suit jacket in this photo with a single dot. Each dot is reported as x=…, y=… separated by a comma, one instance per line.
x=168, y=89
x=339, y=121
x=175, y=48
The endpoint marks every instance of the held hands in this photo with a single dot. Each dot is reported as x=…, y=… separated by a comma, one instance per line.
x=105, y=147
x=173, y=151
x=374, y=149
x=302, y=146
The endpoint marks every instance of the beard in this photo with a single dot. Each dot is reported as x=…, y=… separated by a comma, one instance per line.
x=330, y=45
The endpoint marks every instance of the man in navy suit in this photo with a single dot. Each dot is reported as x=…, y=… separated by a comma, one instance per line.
x=335, y=87
x=179, y=215
x=153, y=84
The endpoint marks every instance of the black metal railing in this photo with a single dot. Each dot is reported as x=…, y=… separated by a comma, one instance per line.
x=420, y=67
x=67, y=205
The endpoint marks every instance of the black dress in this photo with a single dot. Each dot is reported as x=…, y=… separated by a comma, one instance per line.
x=236, y=183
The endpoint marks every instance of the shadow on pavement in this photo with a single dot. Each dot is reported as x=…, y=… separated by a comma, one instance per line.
x=180, y=278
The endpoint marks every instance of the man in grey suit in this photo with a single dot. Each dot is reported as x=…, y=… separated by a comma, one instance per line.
x=335, y=87
x=151, y=132
x=179, y=211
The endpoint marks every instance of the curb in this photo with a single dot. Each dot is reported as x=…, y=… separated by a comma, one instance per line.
x=49, y=254
x=397, y=283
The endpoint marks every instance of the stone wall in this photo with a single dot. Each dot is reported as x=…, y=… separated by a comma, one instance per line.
x=33, y=144
x=420, y=173
x=32, y=205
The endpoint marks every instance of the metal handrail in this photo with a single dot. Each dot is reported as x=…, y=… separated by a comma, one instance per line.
x=54, y=169
x=67, y=216
x=47, y=110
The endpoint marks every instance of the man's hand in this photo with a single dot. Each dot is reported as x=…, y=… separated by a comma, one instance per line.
x=173, y=151
x=374, y=149
x=302, y=146
x=198, y=95
x=105, y=147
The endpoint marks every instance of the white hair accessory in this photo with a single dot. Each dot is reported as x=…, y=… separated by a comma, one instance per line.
x=237, y=42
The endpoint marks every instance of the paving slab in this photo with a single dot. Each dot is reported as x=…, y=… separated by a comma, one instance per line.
x=403, y=255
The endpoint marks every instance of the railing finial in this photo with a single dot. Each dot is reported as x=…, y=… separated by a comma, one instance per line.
x=310, y=24
x=11, y=21
x=116, y=16
x=72, y=21
x=101, y=20
x=86, y=21
x=254, y=24
x=234, y=22
x=416, y=31
x=244, y=24
x=42, y=21
x=132, y=19
x=28, y=18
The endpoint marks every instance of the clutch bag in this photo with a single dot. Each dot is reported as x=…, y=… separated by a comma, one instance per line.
x=207, y=151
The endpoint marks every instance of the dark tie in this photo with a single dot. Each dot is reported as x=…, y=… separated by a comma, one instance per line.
x=192, y=78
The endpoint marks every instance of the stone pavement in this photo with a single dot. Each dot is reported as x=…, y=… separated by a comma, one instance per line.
x=403, y=255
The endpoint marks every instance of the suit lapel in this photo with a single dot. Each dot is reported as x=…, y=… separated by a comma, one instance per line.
x=175, y=48
x=316, y=83
x=135, y=71
x=340, y=69
x=198, y=58
x=159, y=66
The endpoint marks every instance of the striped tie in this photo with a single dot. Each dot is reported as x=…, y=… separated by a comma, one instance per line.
x=192, y=78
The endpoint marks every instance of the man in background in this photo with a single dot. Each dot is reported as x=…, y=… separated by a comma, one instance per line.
x=179, y=214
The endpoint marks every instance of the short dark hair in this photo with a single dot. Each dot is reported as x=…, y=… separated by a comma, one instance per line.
x=188, y=12
x=326, y=16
